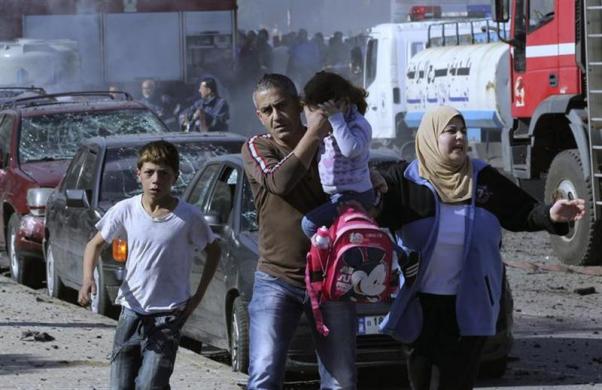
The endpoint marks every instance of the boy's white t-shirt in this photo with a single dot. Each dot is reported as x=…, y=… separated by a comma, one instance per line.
x=160, y=253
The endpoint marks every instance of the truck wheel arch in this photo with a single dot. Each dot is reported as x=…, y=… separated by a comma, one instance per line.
x=553, y=109
x=579, y=128
x=575, y=137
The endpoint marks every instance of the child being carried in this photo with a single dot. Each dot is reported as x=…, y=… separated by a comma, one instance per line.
x=344, y=152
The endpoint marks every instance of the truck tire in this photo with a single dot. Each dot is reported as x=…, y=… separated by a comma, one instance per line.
x=566, y=180
x=22, y=270
x=239, y=337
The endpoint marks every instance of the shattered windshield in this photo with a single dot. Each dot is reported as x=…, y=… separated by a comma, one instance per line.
x=119, y=175
x=57, y=136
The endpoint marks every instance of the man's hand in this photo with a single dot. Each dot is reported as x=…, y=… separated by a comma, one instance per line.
x=564, y=210
x=88, y=287
x=317, y=121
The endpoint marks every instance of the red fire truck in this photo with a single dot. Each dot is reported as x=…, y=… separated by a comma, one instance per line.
x=556, y=92
x=125, y=41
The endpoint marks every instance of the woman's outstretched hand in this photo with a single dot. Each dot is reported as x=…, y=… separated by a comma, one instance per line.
x=564, y=210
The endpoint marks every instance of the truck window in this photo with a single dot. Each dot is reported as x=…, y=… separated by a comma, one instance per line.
x=520, y=31
x=540, y=13
x=371, y=52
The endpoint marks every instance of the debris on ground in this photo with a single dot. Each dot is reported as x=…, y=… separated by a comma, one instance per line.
x=585, y=290
x=533, y=266
x=32, y=335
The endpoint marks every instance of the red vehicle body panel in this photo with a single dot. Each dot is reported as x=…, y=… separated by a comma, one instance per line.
x=550, y=54
x=423, y=12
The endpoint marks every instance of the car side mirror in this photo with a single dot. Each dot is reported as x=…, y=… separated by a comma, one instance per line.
x=77, y=198
x=214, y=221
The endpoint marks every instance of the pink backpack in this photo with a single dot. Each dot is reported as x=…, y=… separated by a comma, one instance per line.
x=350, y=261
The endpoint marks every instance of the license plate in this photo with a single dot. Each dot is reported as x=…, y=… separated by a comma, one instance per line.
x=369, y=324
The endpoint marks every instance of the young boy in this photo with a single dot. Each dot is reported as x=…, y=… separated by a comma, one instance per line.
x=162, y=233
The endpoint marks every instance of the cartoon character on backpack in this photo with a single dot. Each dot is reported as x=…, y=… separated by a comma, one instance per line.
x=351, y=260
x=364, y=275
x=370, y=285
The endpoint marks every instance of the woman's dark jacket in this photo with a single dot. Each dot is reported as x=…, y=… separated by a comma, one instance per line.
x=411, y=210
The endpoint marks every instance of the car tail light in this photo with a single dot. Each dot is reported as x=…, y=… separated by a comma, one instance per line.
x=37, y=199
x=120, y=250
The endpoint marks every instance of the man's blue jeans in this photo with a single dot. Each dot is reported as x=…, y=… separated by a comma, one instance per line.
x=144, y=350
x=274, y=313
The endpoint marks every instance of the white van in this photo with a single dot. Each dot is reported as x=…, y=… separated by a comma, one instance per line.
x=389, y=48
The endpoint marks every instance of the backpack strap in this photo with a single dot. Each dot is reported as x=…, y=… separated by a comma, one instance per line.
x=358, y=216
x=354, y=226
x=314, y=287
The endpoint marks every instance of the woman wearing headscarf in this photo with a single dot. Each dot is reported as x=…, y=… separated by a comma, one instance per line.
x=450, y=209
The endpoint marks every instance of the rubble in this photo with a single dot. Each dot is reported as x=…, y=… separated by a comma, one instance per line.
x=32, y=335
x=585, y=290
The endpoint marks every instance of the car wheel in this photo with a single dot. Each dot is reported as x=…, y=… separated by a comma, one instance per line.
x=54, y=284
x=239, y=337
x=100, y=302
x=21, y=270
x=565, y=179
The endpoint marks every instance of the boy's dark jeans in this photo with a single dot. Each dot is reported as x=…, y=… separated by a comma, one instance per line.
x=144, y=350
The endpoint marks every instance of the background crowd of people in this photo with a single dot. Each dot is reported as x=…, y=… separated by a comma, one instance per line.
x=296, y=54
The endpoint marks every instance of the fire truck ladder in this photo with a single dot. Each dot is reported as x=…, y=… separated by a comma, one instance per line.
x=593, y=59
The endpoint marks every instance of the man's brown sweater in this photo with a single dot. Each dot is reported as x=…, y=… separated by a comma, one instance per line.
x=284, y=190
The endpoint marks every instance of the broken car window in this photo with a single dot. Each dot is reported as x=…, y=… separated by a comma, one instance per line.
x=57, y=136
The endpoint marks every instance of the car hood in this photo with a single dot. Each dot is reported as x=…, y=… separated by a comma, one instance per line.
x=46, y=173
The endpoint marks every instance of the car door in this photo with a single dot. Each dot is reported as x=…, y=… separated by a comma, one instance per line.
x=198, y=193
x=219, y=207
x=243, y=248
x=6, y=127
x=82, y=220
x=56, y=215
